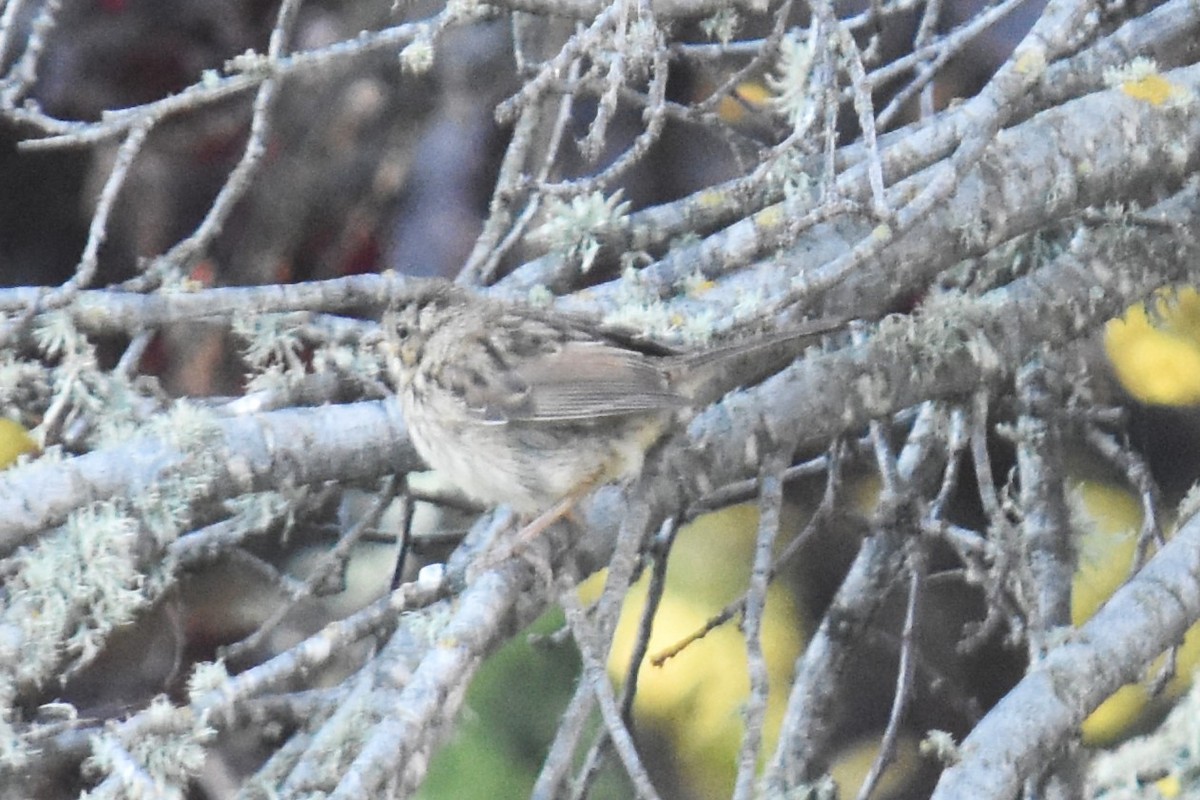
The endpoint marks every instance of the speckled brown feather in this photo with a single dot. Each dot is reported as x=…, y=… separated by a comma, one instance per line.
x=520, y=405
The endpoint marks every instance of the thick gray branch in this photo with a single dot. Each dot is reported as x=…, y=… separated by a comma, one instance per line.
x=360, y=441
x=1143, y=618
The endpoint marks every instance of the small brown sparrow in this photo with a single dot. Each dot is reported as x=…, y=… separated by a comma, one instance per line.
x=523, y=406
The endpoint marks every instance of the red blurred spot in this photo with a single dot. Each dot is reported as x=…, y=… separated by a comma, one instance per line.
x=204, y=273
x=223, y=147
x=284, y=271
x=362, y=256
x=154, y=359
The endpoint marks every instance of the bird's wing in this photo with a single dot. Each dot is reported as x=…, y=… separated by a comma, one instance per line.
x=566, y=381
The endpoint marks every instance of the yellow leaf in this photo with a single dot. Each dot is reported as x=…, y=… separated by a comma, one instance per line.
x=749, y=93
x=1169, y=787
x=1158, y=360
x=1112, y=518
x=14, y=442
x=1105, y=546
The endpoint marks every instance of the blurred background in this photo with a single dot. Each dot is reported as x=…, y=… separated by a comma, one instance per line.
x=383, y=169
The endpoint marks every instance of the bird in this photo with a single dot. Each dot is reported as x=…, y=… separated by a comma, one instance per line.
x=526, y=406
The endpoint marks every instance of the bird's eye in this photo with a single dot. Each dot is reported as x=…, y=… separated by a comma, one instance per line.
x=403, y=331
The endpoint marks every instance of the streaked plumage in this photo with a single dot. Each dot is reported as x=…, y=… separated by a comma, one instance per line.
x=522, y=406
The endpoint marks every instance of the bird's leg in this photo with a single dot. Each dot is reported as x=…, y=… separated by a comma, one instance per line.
x=528, y=533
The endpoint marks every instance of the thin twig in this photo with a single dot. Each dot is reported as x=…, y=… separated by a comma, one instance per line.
x=596, y=677
x=755, y=708
x=905, y=672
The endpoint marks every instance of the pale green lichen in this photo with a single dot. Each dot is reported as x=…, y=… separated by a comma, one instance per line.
x=574, y=228
x=19, y=378
x=273, y=378
x=164, y=509
x=78, y=583
x=361, y=362
x=166, y=752
x=790, y=81
x=1135, y=70
x=1162, y=763
x=643, y=39
x=461, y=10
x=249, y=62
x=786, y=173
x=259, y=510
x=206, y=677
x=940, y=745
x=722, y=26
x=417, y=56
x=72, y=589
x=186, y=426
x=56, y=336
x=539, y=296
x=270, y=338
